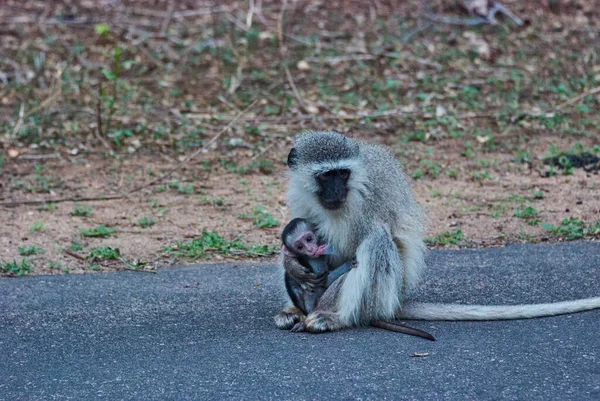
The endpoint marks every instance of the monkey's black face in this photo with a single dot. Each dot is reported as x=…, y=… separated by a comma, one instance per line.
x=333, y=188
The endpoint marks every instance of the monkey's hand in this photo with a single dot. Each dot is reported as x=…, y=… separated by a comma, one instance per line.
x=288, y=318
x=320, y=321
x=303, y=274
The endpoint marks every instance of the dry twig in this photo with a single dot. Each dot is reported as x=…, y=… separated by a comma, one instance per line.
x=73, y=254
x=577, y=98
x=98, y=133
x=19, y=121
x=167, y=21
x=58, y=200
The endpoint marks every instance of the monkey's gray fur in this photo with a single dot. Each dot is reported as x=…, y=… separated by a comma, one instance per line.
x=365, y=226
x=380, y=224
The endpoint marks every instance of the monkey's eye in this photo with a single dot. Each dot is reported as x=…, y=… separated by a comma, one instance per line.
x=300, y=247
x=344, y=174
x=309, y=238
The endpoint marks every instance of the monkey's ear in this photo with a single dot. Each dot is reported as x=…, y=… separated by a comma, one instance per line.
x=292, y=158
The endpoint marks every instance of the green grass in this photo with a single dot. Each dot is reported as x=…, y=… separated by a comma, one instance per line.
x=43, y=183
x=76, y=246
x=430, y=168
x=29, y=250
x=212, y=242
x=452, y=173
x=538, y=194
x=37, y=226
x=82, y=211
x=103, y=253
x=213, y=200
x=573, y=229
x=262, y=219
x=15, y=268
x=481, y=175
x=447, y=239
x=526, y=213
x=99, y=231
x=263, y=166
x=529, y=214
x=146, y=222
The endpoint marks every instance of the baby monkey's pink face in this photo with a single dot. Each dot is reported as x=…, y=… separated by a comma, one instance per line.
x=307, y=244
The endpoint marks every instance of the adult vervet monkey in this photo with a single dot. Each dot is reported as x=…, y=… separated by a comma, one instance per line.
x=358, y=197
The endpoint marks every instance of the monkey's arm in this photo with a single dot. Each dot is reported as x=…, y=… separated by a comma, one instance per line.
x=339, y=271
x=302, y=274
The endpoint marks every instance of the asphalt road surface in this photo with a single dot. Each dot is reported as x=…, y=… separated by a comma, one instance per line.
x=206, y=332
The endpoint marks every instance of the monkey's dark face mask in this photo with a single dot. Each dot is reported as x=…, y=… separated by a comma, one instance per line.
x=333, y=188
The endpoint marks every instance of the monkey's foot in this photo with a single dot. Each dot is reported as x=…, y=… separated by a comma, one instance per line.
x=298, y=327
x=321, y=321
x=288, y=317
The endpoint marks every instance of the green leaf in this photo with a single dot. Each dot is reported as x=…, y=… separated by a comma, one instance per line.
x=99, y=231
x=102, y=29
x=127, y=64
x=109, y=74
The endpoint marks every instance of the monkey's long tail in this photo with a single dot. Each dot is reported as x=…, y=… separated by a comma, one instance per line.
x=429, y=311
x=400, y=328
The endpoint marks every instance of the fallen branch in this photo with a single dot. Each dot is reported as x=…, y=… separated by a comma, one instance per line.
x=178, y=14
x=140, y=270
x=416, y=30
x=490, y=18
x=295, y=90
x=73, y=254
x=457, y=21
x=577, y=98
x=19, y=121
x=98, y=131
x=40, y=156
x=167, y=20
x=58, y=200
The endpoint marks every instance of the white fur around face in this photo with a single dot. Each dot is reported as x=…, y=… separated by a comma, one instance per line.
x=333, y=226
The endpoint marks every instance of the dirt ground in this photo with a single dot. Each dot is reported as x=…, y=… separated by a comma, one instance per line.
x=497, y=125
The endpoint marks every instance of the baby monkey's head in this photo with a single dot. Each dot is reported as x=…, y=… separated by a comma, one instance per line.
x=300, y=237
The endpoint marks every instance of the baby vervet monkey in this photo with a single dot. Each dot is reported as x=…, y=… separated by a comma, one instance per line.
x=307, y=274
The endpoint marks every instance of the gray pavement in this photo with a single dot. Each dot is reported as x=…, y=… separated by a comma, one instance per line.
x=206, y=332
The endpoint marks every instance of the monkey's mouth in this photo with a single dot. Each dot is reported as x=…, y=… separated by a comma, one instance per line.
x=333, y=205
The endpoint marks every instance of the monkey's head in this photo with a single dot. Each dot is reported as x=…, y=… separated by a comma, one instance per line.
x=323, y=163
x=299, y=238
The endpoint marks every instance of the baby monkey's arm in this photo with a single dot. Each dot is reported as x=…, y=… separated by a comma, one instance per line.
x=339, y=271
